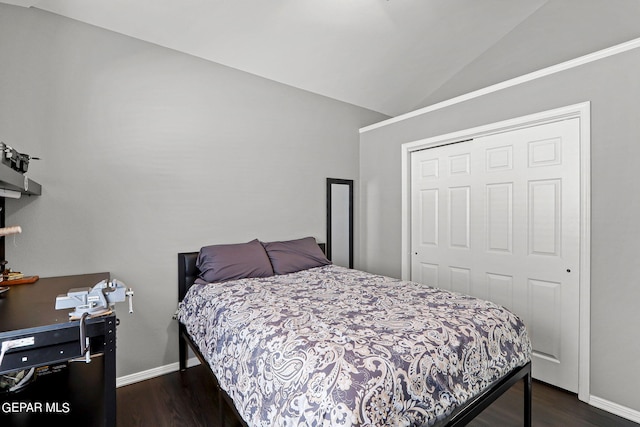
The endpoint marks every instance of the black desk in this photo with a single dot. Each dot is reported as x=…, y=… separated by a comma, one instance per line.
x=82, y=394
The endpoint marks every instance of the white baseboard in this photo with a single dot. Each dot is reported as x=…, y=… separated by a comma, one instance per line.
x=614, y=408
x=154, y=372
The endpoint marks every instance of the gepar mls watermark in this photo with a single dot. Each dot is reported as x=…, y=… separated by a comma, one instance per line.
x=27, y=407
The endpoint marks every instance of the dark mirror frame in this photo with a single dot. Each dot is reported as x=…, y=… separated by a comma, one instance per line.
x=330, y=183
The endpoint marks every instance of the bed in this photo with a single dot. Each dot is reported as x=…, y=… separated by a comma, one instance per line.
x=292, y=339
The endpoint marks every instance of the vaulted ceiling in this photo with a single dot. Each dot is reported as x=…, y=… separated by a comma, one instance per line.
x=390, y=56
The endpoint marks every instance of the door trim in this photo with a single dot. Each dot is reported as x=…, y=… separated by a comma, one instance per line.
x=582, y=111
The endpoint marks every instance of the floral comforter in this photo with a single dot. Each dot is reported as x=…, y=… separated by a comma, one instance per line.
x=330, y=346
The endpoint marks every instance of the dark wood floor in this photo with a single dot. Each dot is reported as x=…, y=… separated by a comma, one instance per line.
x=188, y=399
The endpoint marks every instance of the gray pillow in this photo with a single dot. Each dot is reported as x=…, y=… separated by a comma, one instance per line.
x=234, y=261
x=295, y=255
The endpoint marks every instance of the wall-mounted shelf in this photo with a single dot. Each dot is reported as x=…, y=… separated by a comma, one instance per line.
x=13, y=180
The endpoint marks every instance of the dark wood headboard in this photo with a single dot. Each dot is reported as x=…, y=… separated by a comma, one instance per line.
x=188, y=272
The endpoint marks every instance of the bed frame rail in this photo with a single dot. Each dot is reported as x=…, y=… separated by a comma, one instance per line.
x=479, y=403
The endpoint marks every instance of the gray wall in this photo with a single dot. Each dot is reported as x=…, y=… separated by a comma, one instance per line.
x=558, y=31
x=613, y=87
x=147, y=152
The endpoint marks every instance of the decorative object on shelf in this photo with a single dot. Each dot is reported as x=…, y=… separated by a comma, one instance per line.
x=13, y=178
x=16, y=160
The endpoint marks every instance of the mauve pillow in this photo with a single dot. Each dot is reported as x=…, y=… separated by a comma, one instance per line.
x=295, y=255
x=235, y=261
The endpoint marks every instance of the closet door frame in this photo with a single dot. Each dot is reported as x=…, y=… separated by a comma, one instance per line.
x=581, y=111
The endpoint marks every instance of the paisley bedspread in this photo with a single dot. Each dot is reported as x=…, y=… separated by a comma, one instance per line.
x=330, y=346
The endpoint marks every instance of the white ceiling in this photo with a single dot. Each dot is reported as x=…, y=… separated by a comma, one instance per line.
x=385, y=55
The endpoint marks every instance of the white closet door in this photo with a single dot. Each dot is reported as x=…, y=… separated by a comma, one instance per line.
x=499, y=218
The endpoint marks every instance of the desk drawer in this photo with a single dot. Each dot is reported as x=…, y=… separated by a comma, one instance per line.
x=29, y=358
x=52, y=347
